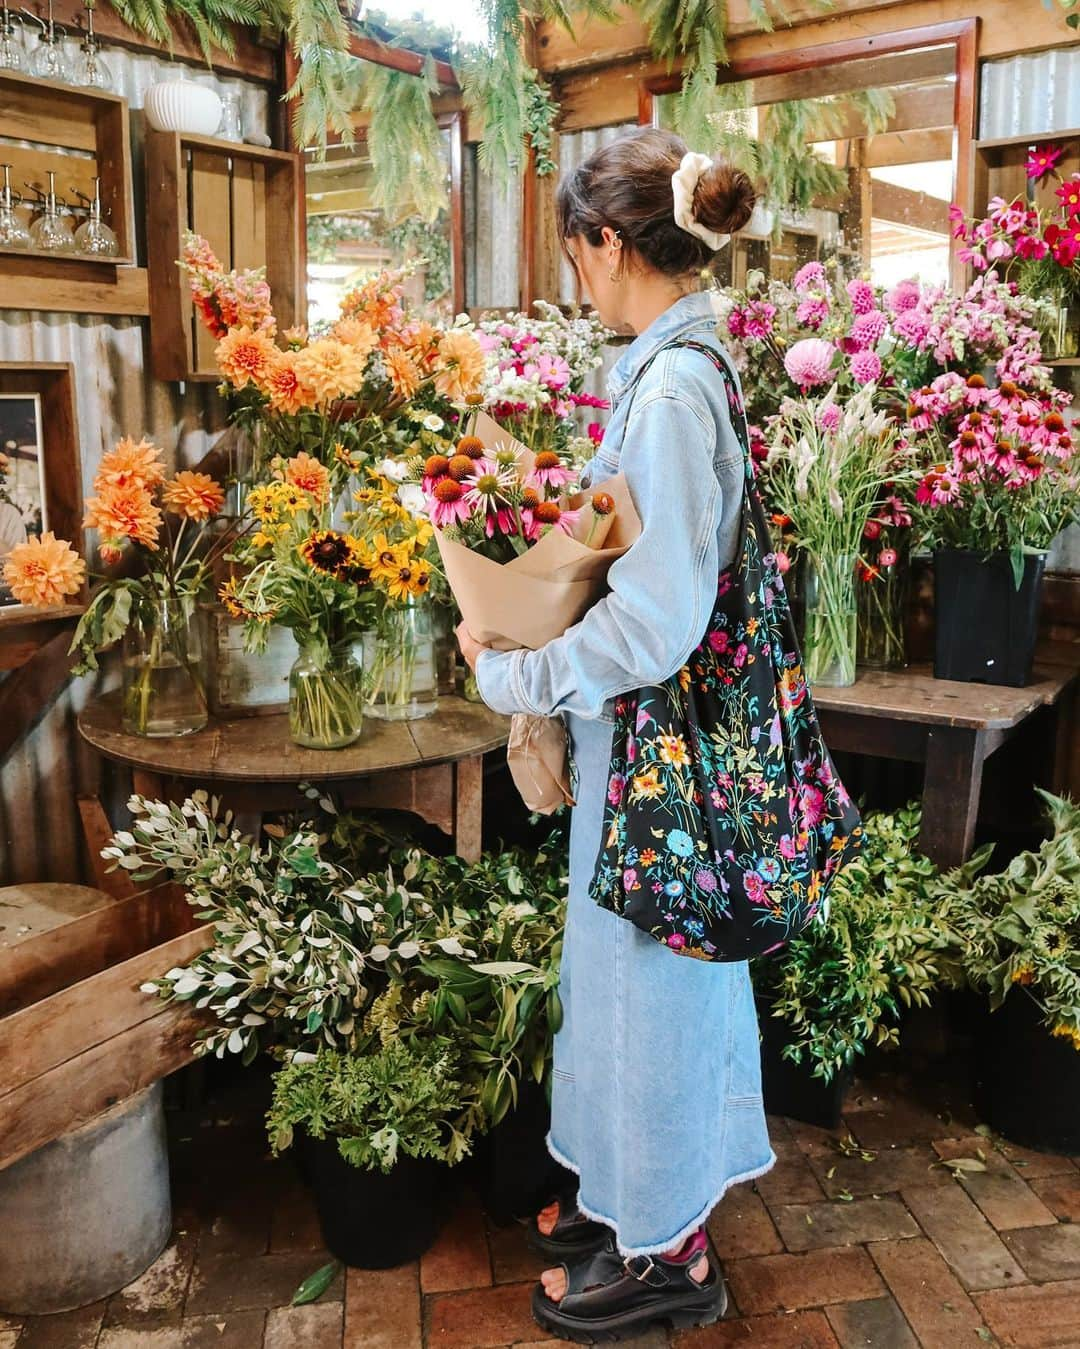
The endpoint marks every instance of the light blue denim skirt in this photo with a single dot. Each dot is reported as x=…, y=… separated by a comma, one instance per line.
x=656, y=1093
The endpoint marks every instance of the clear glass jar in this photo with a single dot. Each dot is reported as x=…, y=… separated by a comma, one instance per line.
x=164, y=679
x=882, y=591
x=446, y=648
x=831, y=624
x=232, y=127
x=399, y=659
x=326, y=697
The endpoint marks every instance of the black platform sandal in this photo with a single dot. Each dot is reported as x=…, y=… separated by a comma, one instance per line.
x=573, y=1233
x=610, y=1297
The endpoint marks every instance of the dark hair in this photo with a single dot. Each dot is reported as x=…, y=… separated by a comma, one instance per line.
x=627, y=186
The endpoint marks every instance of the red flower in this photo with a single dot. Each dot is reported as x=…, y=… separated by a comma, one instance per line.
x=887, y=557
x=1064, y=243
x=872, y=529
x=1069, y=195
x=1043, y=160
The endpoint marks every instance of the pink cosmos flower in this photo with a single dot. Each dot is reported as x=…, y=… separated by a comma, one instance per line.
x=865, y=367
x=1043, y=160
x=809, y=362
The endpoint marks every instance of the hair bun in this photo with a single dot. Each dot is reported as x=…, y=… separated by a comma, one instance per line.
x=724, y=198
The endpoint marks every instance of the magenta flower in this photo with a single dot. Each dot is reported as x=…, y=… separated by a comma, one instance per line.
x=676, y=941
x=861, y=295
x=809, y=277
x=809, y=362
x=828, y=417
x=868, y=329
x=865, y=367
x=1043, y=160
x=812, y=312
x=903, y=296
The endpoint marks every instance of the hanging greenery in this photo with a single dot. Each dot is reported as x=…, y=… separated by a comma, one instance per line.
x=404, y=141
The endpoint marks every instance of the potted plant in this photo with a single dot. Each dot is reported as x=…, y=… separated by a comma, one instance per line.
x=1000, y=483
x=1014, y=938
x=378, y=1131
x=841, y=985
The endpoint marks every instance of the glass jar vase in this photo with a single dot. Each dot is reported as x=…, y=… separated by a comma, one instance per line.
x=164, y=681
x=882, y=589
x=829, y=643
x=446, y=647
x=401, y=680
x=326, y=696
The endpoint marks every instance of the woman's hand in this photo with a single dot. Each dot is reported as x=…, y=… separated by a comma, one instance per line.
x=470, y=647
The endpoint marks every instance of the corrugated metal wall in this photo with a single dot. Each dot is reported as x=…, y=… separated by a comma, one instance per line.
x=1030, y=95
x=492, y=238
x=115, y=396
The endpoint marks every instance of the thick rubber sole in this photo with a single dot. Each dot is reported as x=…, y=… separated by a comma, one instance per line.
x=685, y=1315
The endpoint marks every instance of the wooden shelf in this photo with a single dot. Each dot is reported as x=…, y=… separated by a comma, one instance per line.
x=1039, y=138
x=244, y=201
x=1064, y=361
x=81, y=135
x=1000, y=168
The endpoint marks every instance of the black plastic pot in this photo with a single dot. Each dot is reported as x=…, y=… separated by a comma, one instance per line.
x=790, y=1088
x=1027, y=1082
x=515, y=1174
x=373, y=1219
x=984, y=626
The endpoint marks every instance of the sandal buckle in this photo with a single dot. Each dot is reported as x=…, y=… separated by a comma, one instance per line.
x=644, y=1272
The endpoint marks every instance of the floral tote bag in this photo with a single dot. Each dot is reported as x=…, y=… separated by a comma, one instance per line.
x=725, y=819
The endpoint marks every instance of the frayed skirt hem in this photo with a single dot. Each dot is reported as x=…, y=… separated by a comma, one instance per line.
x=657, y=1248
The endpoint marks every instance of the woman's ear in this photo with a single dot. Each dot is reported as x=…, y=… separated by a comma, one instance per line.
x=610, y=237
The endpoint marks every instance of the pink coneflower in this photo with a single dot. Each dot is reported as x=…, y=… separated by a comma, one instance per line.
x=549, y=471
x=547, y=515
x=861, y=295
x=488, y=487
x=865, y=367
x=447, y=504
x=809, y=362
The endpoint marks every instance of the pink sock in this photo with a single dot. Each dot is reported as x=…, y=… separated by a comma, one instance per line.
x=693, y=1246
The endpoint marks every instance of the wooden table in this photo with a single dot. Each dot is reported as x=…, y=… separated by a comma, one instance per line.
x=951, y=728
x=432, y=767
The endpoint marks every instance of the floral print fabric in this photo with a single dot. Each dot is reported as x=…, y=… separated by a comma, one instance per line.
x=725, y=820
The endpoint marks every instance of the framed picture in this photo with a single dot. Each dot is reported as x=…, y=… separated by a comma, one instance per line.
x=40, y=467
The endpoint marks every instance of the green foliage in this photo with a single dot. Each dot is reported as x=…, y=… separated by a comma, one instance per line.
x=842, y=983
x=404, y=140
x=210, y=21
x=106, y=619
x=430, y=240
x=1020, y=929
x=406, y=1098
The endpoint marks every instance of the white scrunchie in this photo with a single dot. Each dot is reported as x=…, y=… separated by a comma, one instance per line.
x=683, y=182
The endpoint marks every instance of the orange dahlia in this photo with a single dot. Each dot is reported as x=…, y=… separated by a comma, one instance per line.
x=404, y=375
x=196, y=496
x=283, y=386
x=332, y=368
x=460, y=364
x=124, y=513
x=246, y=357
x=356, y=333
x=130, y=462
x=309, y=475
x=44, y=570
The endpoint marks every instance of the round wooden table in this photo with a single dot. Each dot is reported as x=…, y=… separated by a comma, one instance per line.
x=432, y=767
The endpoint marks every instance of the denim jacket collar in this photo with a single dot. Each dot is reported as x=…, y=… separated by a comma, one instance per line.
x=687, y=312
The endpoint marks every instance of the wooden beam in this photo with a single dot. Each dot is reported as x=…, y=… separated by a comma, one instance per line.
x=903, y=206
x=29, y=692
x=916, y=109
x=845, y=77
x=399, y=58
x=908, y=147
x=29, y=283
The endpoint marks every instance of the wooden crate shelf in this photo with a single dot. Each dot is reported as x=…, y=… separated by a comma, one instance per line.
x=82, y=135
x=245, y=202
x=1000, y=167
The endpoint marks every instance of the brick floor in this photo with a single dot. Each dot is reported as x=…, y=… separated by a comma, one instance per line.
x=859, y=1237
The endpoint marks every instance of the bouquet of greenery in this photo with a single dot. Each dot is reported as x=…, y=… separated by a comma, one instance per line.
x=408, y=1098
x=842, y=983
x=1020, y=929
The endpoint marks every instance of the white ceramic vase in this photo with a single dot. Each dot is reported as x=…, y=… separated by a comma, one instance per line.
x=182, y=105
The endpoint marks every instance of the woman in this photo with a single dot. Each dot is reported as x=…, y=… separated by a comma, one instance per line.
x=656, y=1096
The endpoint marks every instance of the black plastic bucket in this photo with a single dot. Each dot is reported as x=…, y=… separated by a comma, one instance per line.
x=515, y=1174
x=985, y=627
x=374, y=1219
x=1027, y=1081
x=789, y=1088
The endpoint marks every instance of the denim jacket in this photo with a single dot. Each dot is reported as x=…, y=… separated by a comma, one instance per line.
x=670, y=434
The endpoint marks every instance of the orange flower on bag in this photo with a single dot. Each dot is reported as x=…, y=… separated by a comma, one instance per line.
x=44, y=570
x=244, y=356
x=196, y=496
